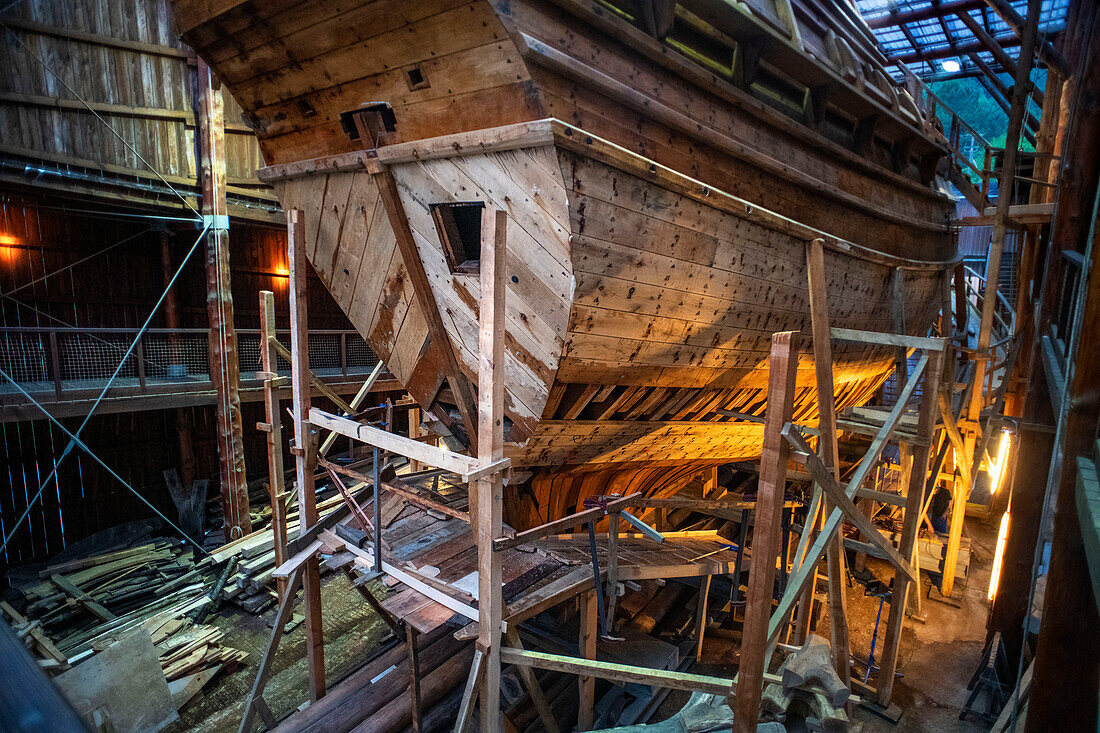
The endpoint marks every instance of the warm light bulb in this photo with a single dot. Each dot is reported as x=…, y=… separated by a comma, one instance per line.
x=996, y=469
x=995, y=572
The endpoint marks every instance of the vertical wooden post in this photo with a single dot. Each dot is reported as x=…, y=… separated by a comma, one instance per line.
x=586, y=686
x=782, y=365
x=412, y=643
x=701, y=616
x=827, y=446
x=490, y=441
x=304, y=446
x=414, y=432
x=275, y=472
x=224, y=369
x=612, y=570
x=926, y=421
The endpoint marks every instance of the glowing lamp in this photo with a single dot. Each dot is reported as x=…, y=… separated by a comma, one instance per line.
x=950, y=66
x=996, y=469
x=995, y=572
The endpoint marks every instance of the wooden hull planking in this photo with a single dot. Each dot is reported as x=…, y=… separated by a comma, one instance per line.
x=639, y=303
x=658, y=200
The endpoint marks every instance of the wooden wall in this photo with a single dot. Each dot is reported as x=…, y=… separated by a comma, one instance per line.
x=123, y=59
x=118, y=289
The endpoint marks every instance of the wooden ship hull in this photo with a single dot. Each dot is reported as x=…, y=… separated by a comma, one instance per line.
x=660, y=186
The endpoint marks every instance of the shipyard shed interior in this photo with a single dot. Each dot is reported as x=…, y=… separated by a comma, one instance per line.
x=549, y=365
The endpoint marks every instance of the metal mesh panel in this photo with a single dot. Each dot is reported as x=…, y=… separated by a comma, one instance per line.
x=324, y=352
x=360, y=356
x=176, y=356
x=23, y=356
x=86, y=356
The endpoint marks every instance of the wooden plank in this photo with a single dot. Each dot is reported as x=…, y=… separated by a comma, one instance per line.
x=889, y=339
x=356, y=401
x=745, y=698
x=76, y=593
x=394, y=443
x=303, y=441
x=826, y=408
x=665, y=679
x=489, y=496
x=460, y=386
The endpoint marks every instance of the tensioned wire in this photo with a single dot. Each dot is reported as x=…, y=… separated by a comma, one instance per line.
x=75, y=438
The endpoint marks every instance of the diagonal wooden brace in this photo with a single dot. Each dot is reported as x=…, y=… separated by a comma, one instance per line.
x=824, y=477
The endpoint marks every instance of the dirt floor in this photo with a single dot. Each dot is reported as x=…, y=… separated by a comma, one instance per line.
x=353, y=634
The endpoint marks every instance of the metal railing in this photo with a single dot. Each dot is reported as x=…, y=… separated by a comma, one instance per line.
x=66, y=361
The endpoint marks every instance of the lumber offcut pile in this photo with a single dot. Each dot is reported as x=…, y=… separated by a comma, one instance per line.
x=71, y=611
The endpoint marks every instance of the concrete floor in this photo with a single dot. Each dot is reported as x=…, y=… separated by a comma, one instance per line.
x=937, y=657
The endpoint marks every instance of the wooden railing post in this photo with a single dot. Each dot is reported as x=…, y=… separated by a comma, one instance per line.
x=274, y=428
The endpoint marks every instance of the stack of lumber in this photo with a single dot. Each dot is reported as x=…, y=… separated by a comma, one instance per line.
x=72, y=597
x=252, y=585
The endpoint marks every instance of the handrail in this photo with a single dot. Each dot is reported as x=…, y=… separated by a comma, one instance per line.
x=162, y=331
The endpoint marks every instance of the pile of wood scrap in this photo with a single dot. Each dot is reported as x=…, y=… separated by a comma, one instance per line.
x=811, y=692
x=70, y=611
x=71, y=598
x=252, y=585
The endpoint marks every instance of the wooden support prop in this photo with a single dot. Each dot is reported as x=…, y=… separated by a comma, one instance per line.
x=410, y=254
x=263, y=672
x=224, y=365
x=826, y=401
x=612, y=594
x=926, y=422
x=573, y=520
x=665, y=679
x=534, y=689
x=745, y=698
x=489, y=496
x=414, y=676
x=586, y=645
x=276, y=471
x=356, y=401
x=924, y=343
x=467, y=468
x=701, y=617
x=797, y=581
x=465, y=714
x=827, y=481
x=303, y=440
